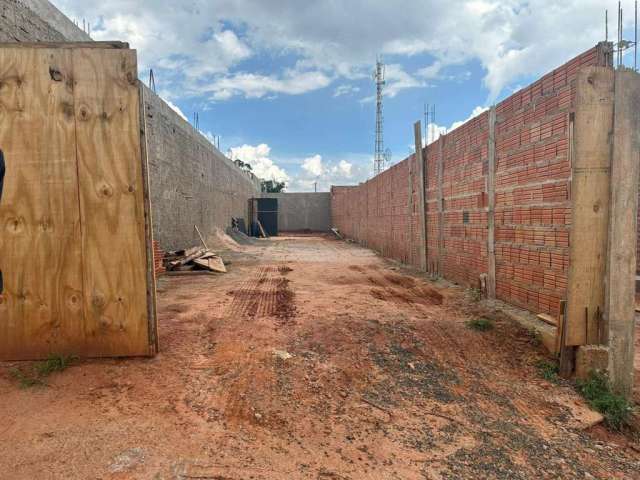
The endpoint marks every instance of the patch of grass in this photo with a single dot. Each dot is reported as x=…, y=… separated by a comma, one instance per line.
x=475, y=294
x=55, y=363
x=25, y=380
x=34, y=376
x=597, y=392
x=548, y=370
x=480, y=324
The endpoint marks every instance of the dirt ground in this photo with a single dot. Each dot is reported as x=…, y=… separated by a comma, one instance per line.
x=313, y=359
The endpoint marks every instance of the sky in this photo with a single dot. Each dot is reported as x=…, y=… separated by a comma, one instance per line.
x=287, y=85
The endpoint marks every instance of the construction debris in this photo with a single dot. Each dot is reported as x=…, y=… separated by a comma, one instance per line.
x=196, y=258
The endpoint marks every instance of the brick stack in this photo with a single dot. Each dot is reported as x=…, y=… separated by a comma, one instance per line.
x=532, y=197
x=158, y=255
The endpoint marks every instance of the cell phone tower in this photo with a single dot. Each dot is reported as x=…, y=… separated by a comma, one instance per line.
x=380, y=156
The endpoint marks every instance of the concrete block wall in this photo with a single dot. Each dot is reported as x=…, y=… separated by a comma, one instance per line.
x=22, y=21
x=532, y=196
x=303, y=211
x=192, y=183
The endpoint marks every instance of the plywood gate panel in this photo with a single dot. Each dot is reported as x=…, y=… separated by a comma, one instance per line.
x=73, y=229
x=111, y=201
x=41, y=307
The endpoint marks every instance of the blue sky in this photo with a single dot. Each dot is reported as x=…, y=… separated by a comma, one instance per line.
x=287, y=84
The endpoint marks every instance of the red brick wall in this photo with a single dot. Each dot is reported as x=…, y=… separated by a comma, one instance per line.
x=158, y=255
x=532, y=196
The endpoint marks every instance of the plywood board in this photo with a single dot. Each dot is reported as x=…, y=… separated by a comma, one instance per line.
x=590, y=172
x=75, y=242
x=111, y=202
x=40, y=250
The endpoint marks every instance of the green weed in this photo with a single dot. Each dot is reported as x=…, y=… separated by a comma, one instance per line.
x=481, y=324
x=35, y=375
x=597, y=392
x=548, y=370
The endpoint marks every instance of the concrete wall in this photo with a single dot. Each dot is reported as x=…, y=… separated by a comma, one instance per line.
x=57, y=20
x=192, y=183
x=303, y=211
x=532, y=196
x=20, y=23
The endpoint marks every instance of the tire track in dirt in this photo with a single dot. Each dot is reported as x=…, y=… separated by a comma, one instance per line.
x=266, y=294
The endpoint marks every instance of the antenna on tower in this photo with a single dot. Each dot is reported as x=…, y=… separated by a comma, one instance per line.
x=380, y=157
x=152, y=81
x=621, y=45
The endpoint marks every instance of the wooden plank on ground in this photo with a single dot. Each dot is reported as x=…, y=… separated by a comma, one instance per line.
x=111, y=202
x=591, y=160
x=262, y=232
x=40, y=255
x=546, y=318
x=215, y=264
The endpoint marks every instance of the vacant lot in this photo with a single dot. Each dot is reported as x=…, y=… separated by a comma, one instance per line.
x=311, y=358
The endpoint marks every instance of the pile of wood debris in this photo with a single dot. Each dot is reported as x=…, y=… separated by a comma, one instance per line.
x=194, y=259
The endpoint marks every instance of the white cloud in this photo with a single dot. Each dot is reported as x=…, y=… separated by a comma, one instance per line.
x=201, y=43
x=434, y=131
x=176, y=108
x=313, y=165
x=318, y=173
x=258, y=157
x=398, y=79
x=345, y=90
x=345, y=168
x=252, y=85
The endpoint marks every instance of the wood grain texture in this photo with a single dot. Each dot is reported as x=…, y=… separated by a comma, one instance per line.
x=590, y=172
x=620, y=290
x=111, y=202
x=40, y=254
x=152, y=326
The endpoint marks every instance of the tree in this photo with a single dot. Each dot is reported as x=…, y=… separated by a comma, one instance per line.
x=243, y=165
x=271, y=186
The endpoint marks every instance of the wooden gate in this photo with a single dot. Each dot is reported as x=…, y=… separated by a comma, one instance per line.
x=75, y=227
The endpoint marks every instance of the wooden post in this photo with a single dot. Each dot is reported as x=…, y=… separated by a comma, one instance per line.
x=491, y=186
x=440, y=203
x=422, y=171
x=619, y=311
x=590, y=181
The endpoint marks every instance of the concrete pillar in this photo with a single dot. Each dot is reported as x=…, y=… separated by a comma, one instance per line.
x=441, y=141
x=417, y=130
x=619, y=314
x=491, y=186
x=590, y=195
